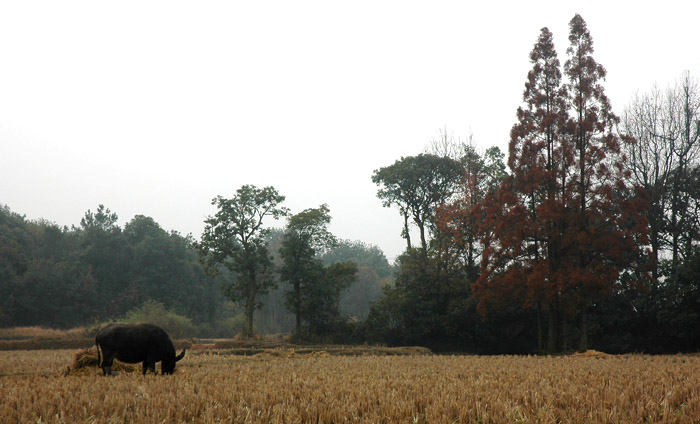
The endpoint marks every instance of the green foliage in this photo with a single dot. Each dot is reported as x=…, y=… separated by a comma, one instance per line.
x=361, y=254
x=373, y=272
x=232, y=325
x=355, y=301
x=236, y=239
x=274, y=317
x=385, y=323
x=306, y=234
x=315, y=289
x=91, y=328
x=678, y=303
x=418, y=185
x=431, y=304
x=310, y=228
x=103, y=219
x=162, y=266
x=419, y=305
x=60, y=277
x=152, y=312
x=321, y=301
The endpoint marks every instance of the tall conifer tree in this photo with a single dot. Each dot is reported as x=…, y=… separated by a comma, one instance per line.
x=523, y=255
x=607, y=215
x=566, y=222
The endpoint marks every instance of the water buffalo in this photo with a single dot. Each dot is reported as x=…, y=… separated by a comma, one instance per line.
x=129, y=343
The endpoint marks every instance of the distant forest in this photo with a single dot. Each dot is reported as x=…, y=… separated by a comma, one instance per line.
x=585, y=235
x=99, y=271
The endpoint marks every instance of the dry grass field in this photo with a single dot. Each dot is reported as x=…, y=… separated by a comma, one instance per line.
x=323, y=388
x=14, y=333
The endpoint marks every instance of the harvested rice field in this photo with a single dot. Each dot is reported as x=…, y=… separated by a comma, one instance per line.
x=210, y=387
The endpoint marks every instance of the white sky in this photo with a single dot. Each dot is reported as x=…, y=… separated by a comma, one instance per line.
x=156, y=107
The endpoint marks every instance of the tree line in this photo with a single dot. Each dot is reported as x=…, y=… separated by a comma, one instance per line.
x=98, y=272
x=61, y=277
x=589, y=239
x=585, y=235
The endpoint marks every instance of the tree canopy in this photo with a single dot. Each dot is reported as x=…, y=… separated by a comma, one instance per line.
x=305, y=237
x=236, y=239
x=574, y=219
x=61, y=277
x=418, y=185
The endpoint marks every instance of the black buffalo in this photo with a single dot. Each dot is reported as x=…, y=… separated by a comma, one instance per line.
x=129, y=343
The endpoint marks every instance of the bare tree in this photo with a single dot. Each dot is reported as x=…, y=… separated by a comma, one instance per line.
x=664, y=159
x=448, y=146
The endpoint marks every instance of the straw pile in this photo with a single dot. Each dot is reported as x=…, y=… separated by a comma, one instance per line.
x=592, y=354
x=85, y=363
x=284, y=353
x=202, y=346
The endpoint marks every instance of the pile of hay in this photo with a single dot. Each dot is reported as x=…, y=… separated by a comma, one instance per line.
x=85, y=363
x=592, y=354
x=276, y=353
x=202, y=346
x=284, y=353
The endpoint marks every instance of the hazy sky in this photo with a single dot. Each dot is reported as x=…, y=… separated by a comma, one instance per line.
x=156, y=107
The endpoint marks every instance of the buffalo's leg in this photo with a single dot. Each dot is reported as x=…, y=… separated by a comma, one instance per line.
x=105, y=359
x=148, y=365
x=106, y=365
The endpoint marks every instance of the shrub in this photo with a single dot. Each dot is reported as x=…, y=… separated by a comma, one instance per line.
x=152, y=312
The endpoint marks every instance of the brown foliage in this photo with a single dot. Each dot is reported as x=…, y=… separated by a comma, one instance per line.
x=567, y=222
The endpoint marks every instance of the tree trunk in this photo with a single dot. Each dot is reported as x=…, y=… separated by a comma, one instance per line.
x=561, y=330
x=407, y=234
x=249, y=310
x=297, y=304
x=674, y=223
x=250, y=306
x=423, y=243
x=553, y=330
x=654, y=240
x=583, y=343
x=540, y=346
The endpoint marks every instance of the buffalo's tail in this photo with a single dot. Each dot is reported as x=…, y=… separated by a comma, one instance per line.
x=180, y=356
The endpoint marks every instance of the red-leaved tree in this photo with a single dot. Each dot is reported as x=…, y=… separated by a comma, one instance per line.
x=566, y=222
x=607, y=209
x=526, y=217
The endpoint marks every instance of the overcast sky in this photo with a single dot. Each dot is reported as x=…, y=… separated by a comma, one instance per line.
x=156, y=107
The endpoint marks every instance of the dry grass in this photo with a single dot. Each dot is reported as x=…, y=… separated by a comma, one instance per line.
x=36, y=338
x=323, y=388
x=287, y=350
x=21, y=333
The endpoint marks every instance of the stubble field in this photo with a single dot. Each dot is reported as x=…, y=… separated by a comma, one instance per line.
x=322, y=388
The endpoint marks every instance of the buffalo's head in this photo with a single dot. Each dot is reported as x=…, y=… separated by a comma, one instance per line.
x=168, y=366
